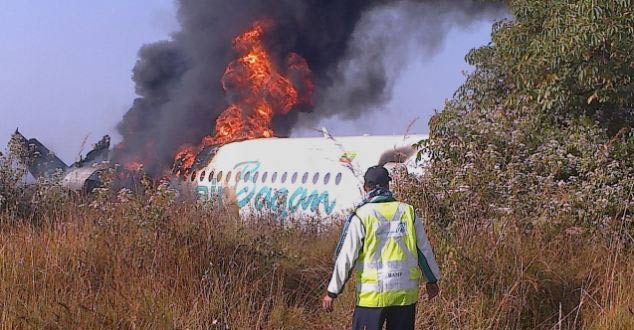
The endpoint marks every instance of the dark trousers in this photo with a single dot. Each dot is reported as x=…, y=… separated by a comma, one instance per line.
x=373, y=318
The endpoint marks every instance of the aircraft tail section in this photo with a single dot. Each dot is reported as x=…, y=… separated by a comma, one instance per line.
x=38, y=158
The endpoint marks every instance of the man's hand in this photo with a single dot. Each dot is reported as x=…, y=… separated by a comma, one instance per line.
x=326, y=303
x=432, y=290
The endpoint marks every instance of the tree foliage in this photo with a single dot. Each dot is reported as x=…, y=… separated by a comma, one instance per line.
x=541, y=129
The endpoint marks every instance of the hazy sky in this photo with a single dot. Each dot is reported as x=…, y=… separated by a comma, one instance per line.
x=66, y=68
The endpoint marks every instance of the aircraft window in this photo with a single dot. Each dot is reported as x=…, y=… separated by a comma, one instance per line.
x=315, y=178
x=284, y=177
x=273, y=177
x=193, y=176
x=219, y=176
x=202, y=175
x=264, y=175
x=247, y=176
x=294, y=178
x=238, y=177
x=338, y=178
x=211, y=176
x=326, y=178
x=305, y=177
x=255, y=177
x=228, y=177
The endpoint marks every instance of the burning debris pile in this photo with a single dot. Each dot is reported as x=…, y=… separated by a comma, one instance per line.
x=246, y=69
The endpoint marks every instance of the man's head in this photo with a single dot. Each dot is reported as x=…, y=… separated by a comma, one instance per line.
x=376, y=176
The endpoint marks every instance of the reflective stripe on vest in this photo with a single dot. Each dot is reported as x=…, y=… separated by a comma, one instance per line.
x=381, y=280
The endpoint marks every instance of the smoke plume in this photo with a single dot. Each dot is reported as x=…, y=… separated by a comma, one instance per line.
x=344, y=42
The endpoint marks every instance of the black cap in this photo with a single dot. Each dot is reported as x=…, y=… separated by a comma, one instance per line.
x=377, y=175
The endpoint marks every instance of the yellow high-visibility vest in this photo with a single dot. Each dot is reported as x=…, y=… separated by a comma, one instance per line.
x=387, y=272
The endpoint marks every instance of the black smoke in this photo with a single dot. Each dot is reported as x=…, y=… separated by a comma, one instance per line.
x=179, y=81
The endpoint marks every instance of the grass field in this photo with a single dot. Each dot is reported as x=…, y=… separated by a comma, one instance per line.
x=151, y=263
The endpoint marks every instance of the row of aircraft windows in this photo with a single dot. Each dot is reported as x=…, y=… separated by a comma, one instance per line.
x=248, y=176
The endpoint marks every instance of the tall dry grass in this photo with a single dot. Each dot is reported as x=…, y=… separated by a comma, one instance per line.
x=126, y=261
x=134, y=264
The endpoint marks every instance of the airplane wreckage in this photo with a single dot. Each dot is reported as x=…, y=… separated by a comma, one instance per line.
x=83, y=175
x=318, y=175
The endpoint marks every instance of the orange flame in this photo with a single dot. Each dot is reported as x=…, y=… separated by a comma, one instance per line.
x=257, y=91
x=186, y=156
x=135, y=164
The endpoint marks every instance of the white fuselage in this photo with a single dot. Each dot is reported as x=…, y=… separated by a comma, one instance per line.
x=298, y=176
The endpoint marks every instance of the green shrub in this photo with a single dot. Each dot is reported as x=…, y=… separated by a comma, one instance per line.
x=540, y=131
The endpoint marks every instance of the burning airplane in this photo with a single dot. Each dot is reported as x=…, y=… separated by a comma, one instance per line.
x=217, y=102
x=243, y=160
x=281, y=175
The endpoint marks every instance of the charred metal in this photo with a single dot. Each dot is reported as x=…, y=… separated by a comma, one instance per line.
x=83, y=175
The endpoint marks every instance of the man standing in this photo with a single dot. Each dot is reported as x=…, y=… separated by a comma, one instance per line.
x=387, y=246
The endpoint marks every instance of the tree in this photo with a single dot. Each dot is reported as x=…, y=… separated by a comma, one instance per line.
x=541, y=129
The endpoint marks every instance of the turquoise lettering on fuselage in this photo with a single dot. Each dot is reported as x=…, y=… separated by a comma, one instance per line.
x=264, y=197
